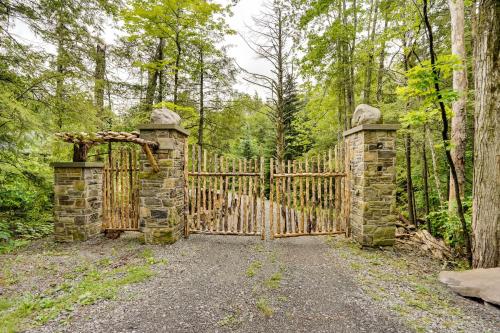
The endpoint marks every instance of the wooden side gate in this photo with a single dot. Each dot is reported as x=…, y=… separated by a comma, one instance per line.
x=225, y=195
x=121, y=191
x=306, y=197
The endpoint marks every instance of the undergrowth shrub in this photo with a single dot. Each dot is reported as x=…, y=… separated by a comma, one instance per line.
x=25, y=206
x=446, y=224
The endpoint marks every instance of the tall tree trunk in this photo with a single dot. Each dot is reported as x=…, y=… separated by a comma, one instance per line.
x=178, y=55
x=349, y=61
x=434, y=166
x=161, y=72
x=444, y=133
x=380, y=74
x=60, y=62
x=486, y=183
x=369, y=64
x=152, y=80
x=425, y=176
x=201, y=122
x=99, y=79
x=409, y=182
x=458, y=126
x=280, y=128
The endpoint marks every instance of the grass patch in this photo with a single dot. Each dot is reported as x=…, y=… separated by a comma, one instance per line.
x=231, y=320
x=5, y=304
x=253, y=268
x=13, y=245
x=264, y=307
x=274, y=281
x=95, y=285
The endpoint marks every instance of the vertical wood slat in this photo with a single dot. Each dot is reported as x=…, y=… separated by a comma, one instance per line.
x=278, y=200
x=330, y=192
x=294, y=196
x=186, y=189
x=288, y=199
x=254, y=196
x=262, y=201
x=226, y=196
x=271, y=198
x=233, y=196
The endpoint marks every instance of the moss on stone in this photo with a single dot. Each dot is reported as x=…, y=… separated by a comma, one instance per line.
x=79, y=185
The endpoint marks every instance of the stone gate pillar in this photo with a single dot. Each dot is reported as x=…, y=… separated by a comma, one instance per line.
x=77, y=200
x=161, y=203
x=371, y=183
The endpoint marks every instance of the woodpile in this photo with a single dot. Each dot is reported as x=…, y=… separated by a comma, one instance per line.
x=422, y=240
x=105, y=136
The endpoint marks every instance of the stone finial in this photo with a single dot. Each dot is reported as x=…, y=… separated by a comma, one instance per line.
x=165, y=116
x=366, y=114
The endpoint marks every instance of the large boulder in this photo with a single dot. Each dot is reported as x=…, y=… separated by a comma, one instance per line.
x=481, y=283
x=165, y=116
x=365, y=114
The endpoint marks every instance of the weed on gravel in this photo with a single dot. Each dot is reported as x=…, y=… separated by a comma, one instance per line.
x=263, y=305
x=253, y=268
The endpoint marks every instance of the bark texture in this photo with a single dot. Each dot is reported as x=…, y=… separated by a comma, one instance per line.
x=486, y=183
x=458, y=123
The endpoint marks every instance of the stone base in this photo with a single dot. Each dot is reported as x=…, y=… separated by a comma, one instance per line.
x=77, y=200
x=378, y=236
x=73, y=234
x=161, y=235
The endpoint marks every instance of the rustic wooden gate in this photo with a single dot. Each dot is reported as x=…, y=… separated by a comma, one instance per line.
x=225, y=195
x=306, y=197
x=121, y=191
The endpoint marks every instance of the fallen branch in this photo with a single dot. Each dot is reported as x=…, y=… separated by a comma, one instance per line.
x=424, y=241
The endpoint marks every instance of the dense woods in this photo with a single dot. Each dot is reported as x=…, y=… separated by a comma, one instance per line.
x=431, y=65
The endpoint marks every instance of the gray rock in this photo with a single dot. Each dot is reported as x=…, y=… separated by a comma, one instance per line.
x=366, y=114
x=481, y=283
x=165, y=116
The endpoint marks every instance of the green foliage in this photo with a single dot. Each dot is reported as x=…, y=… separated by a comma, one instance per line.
x=420, y=87
x=447, y=225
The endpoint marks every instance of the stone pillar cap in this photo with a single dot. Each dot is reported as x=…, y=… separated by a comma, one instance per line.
x=174, y=127
x=77, y=164
x=372, y=127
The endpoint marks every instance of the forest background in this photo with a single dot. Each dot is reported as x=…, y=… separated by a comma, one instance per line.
x=321, y=59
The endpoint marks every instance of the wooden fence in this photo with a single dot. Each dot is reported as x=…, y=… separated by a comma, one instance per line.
x=121, y=191
x=306, y=197
x=225, y=195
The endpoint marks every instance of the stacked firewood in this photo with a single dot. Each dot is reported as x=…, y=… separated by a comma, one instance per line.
x=408, y=236
x=104, y=136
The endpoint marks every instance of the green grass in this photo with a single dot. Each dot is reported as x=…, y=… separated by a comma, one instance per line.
x=231, y=320
x=13, y=245
x=96, y=285
x=253, y=268
x=274, y=281
x=264, y=307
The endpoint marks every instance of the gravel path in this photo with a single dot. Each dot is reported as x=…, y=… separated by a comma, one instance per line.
x=241, y=284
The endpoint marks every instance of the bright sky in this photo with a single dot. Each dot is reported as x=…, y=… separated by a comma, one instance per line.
x=239, y=50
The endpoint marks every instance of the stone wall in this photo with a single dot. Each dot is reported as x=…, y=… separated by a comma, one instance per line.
x=77, y=200
x=371, y=160
x=161, y=206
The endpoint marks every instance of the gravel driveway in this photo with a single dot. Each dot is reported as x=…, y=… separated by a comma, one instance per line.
x=242, y=284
